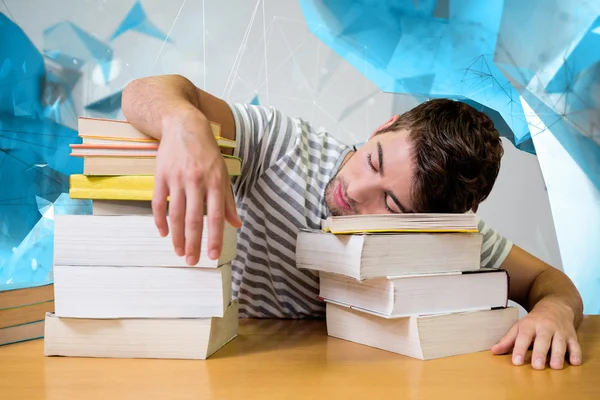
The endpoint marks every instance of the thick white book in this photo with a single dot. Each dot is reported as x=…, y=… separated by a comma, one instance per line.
x=127, y=240
x=401, y=296
x=177, y=338
x=365, y=256
x=424, y=337
x=141, y=292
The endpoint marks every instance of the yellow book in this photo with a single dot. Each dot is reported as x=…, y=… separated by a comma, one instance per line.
x=116, y=187
x=398, y=223
x=120, y=187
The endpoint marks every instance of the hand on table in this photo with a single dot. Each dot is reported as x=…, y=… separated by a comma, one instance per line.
x=549, y=326
x=191, y=171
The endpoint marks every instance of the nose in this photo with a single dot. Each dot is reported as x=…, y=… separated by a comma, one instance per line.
x=361, y=191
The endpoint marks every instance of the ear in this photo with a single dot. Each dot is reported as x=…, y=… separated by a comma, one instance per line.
x=386, y=125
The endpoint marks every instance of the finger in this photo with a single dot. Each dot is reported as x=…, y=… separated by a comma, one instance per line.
x=176, y=218
x=522, y=344
x=215, y=218
x=194, y=218
x=159, y=206
x=540, y=349
x=231, y=214
x=574, y=351
x=557, y=355
x=505, y=344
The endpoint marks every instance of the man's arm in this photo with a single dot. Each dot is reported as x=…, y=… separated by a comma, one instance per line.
x=153, y=102
x=190, y=170
x=555, y=311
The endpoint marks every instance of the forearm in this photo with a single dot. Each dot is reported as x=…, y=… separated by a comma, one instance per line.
x=554, y=286
x=148, y=102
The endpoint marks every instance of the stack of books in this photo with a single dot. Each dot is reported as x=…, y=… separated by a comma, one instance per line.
x=120, y=290
x=410, y=283
x=22, y=311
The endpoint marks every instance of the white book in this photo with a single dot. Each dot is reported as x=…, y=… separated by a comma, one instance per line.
x=178, y=338
x=368, y=256
x=141, y=292
x=401, y=296
x=127, y=240
x=424, y=337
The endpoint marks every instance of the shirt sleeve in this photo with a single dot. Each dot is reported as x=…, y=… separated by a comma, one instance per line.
x=263, y=135
x=495, y=247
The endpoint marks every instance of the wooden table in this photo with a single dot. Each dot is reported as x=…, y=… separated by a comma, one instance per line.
x=295, y=360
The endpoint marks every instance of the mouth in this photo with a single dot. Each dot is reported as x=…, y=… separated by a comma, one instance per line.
x=340, y=199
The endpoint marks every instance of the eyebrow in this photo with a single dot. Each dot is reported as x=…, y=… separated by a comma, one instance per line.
x=380, y=154
x=392, y=195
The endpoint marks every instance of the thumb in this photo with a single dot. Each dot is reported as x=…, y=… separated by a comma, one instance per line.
x=231, y=214
x=507, y=342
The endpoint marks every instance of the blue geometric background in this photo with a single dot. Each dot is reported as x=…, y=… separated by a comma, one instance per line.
x=494, y=55
x=35, y=98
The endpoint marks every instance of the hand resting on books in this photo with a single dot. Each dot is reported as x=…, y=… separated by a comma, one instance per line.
x=190, y=169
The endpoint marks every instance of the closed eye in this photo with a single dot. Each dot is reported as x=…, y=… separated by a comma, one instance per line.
x=385, y=200
x=370, y=162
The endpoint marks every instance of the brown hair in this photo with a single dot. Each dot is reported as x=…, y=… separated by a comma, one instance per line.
x=457, y=152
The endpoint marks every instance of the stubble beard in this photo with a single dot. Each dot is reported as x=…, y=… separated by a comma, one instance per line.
x=330, y=202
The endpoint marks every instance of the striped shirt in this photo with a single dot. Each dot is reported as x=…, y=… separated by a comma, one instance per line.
x=286, y=166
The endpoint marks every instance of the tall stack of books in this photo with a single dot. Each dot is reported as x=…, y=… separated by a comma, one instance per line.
x=410, y=284
x=120, y=290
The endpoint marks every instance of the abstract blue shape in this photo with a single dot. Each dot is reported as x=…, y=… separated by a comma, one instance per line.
x=19, y=88
x=34, y=162
x=108, y=104
x=423, y=48
x=255, y=101
x=582, y=57
x=137, y=20
x=31, y=261
x=70, y=46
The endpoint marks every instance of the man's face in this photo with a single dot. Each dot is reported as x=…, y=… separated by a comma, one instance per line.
x=376, y=179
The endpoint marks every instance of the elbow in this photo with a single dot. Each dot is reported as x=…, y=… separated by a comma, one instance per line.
x=128, y=97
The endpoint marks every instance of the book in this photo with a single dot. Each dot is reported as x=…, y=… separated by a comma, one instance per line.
x=108, y=150
x=121, y=207
x=410, y=222
x=424, y=337
x=124, y=187
x=105, y=165
x=177, y=338
x=106, y=131
x=128, y=240
x=135, y=188
x=366, y=256
x=12, y=295
x=141, y=292
x=401, y=296
x=25, y=313
x=22, y=333
x=222, y=142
